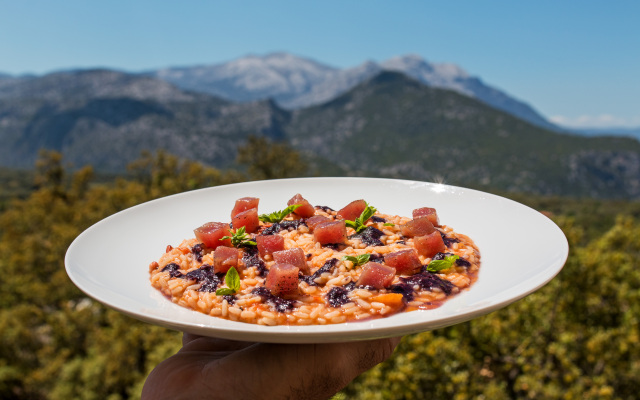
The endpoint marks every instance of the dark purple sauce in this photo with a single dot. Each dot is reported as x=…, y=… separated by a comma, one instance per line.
x=327, y=267
x=173, y=269
x=204, y=275
x=280, y=304
x=337, y=296
x=441, y=256
x=424, y=280
x=404, y=289
x=427, y=280
x=283, y=225
x=251, y=258
x=229, y=298
x=197, y=251
x=461, y=262
x=447, y=240
x=370, y=236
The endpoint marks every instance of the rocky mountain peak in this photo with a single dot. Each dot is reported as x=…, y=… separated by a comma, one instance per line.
x=296, y=82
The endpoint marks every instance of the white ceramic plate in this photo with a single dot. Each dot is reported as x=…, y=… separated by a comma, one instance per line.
x=521, y=251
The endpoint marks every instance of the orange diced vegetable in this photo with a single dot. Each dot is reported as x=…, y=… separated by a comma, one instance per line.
x=390, y=299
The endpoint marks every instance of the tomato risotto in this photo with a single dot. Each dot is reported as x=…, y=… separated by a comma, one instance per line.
x=307, y=265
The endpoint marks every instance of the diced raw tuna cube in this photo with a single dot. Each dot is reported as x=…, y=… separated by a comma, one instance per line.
x=224, y=258
x=248, y=219
x=210, y=234
x=282, y=280
x=427, y=212
x=267, y=244
x=305, y=210
x=417, y=227
x=315, y=221
x=244, y=204
x=429, y=245
x=352, y=210
x=376, y=275
x=330, y=232
x=406, y=262
x=294, y=257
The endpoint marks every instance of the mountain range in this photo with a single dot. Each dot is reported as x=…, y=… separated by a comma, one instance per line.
x=105, y=118
x=398, y=127
x=296, y=82
x=390, y=124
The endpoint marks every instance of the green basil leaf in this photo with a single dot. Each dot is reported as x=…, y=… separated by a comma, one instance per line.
x=357, y=260
x=367, y=213
x=278, y=216
x=224, y=292
x=350, y=258
x=232, y=279
x=350, y=224
x=439, y=265
x=360, y=223
x=363, y=258
x=240, y=238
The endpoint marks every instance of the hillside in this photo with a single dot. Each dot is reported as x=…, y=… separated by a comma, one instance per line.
x=106, y=118
x=394, y=126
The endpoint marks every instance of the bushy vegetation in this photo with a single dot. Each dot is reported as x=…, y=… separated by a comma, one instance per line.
x=575, y=338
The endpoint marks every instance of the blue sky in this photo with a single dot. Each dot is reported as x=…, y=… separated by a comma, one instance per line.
x=577, y=63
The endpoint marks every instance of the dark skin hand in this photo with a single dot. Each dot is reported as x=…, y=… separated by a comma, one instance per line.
x=209, y=368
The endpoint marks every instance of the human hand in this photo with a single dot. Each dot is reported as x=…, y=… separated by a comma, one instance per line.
x=209, y=368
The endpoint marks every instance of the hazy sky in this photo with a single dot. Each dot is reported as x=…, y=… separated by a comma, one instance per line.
x=577, y=63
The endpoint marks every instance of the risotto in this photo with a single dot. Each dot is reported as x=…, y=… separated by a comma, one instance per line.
x=307, y=265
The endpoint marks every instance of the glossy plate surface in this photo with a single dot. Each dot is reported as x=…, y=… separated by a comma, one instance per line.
x=521, y=251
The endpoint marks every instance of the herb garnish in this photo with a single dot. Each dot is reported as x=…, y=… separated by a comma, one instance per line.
x=358, y=260
x=389, y=224
x=445, y=263
x=359, y=223
x=278, y=216
x=240, y=238
x=232, y=280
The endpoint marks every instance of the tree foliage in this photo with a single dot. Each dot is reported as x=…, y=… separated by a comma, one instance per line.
x=575, y=338
x=58, y=344
x=267, y=160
